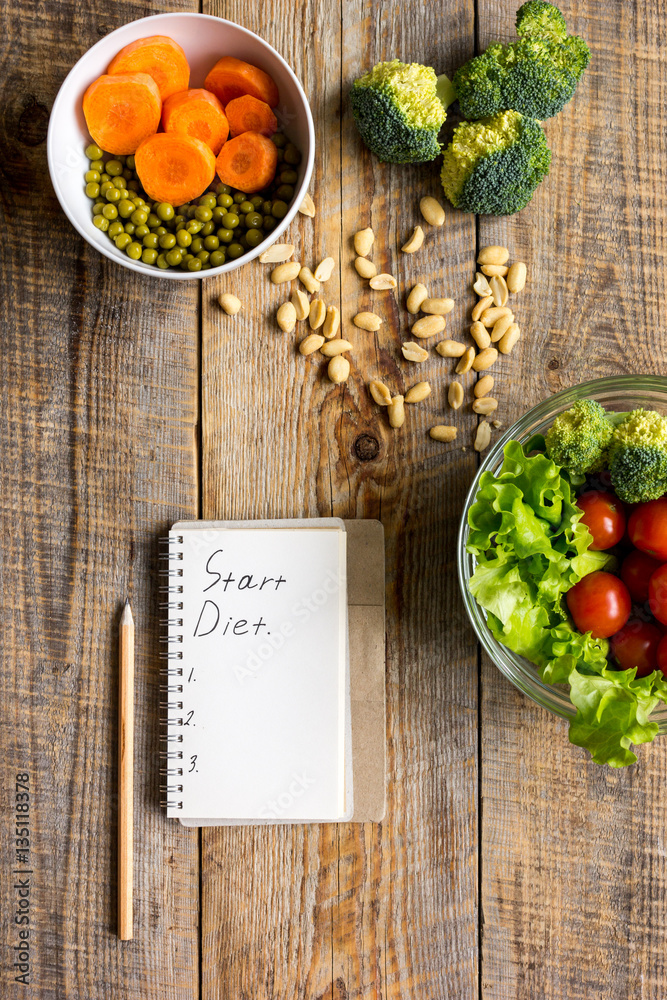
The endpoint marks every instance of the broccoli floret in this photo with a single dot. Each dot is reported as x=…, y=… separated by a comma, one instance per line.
x=399, y=112
x=578, y=438
x=537, y=75
x=638, y=457
x=492, y=167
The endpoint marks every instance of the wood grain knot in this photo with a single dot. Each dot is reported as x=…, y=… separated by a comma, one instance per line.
x=553, y=364
x=33, y=123
x=366, y=447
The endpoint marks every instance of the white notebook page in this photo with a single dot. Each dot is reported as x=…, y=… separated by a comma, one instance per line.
x=263, y=673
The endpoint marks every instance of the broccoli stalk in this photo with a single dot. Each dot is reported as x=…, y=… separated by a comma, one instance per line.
x=536, y=75
x=493, y=166
x=399, y=109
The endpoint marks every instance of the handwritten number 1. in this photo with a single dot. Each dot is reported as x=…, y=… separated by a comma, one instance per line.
x=193, y=761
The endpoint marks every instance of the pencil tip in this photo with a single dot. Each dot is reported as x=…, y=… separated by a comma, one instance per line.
x=126, y=618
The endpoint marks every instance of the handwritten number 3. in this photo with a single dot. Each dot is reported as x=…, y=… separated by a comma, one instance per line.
x=187, y=721
x=193, y=761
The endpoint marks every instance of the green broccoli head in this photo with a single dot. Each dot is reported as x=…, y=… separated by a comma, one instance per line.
x=398, y=112
x=638, y=457
x=492, y=166
x=578, y=438
x=541, y=19
x=537, y=75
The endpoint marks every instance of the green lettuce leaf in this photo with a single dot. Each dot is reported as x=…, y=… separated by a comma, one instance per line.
x=531, y=548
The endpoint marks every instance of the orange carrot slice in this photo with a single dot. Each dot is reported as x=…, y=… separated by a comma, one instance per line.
x=247, y=162
x=197, y=113
x=232, y=78
x=122, y=110
x=159, y=56
x=174, y=167
x=248, y=114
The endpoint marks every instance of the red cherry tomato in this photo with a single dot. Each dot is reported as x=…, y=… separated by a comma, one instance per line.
x=662, y=655
x=636, y=645
x=636, y=571
x=657, y=594
x=604, y=516
x=600, y=604
x=648, y=528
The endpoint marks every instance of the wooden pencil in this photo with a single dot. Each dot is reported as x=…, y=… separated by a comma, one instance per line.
x=125, y=774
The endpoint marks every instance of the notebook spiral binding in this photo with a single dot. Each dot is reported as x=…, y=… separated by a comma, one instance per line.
x=171, y=602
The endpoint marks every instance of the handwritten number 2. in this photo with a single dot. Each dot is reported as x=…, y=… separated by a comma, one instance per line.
x=193, y=761
x=187, y=721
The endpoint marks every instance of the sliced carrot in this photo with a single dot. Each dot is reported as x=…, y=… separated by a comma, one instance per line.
x=197, y=113
x=122, y=110
x=174, y=167
x=247, y=114
x=247, y=162
x=159, y=56
x=232, y=78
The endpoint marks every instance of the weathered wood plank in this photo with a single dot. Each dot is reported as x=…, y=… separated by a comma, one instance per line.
x=573, y=873
x=375, y=911
x=97, y=425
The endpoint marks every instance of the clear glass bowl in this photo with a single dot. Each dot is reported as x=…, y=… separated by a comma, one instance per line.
x=624, y=392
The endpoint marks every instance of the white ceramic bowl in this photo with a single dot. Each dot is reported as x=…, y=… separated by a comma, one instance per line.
x=205, y=39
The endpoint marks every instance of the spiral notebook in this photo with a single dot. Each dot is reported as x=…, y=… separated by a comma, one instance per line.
x=258, y=695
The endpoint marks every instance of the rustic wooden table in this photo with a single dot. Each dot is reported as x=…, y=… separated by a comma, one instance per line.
x=508, y=867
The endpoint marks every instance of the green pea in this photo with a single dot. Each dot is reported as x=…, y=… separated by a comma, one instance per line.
x=139, y=217
x=167, y=241
x=125, y=208
x=230, y=220
x=165, y=211
x=101, y=223
x=279, y=139
x=244, y=242
x=194, y=226
x=134, y=250
x=97, y=165
x=292, y=154
x=269, y=223
x=151, y=241
x=246, y=206
x=152, y=221
x=129, y=161
x=160, y=230
x=266, y=207
x=97, y=208
x=104, y=187
x=114, y=167
x=183, y=238
x=281, y=155
x=93, y=152
x=92, y=189
x=141, y=231
x=203, y=213
x=256, y=202
x=138, y=201
x=162, y=262
x=254, y=237
x=115, y=229
x=92, y=176
x=105, y=177
x=253, y=220
x=225, y=200
x=186, y=260
x=207, y=201
x=285, y=192
x=208, y=228
x=194, y=264
x=177, y=220
x=217, y=215
x=174, y=257
x=124, y=194
x=225, y=235
x=239, y=197
x=149, y=256
x=203, y=256
x=279, y=209
x=123, y=240
x=222, y=189
x=130, y=228
x=110, y=212
x=197, y=245
x=234, y=250
x=211, y=243
x=288, y=176
x=119, y=182
x=112, y=194
x=217, y=258
x=127, y=174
